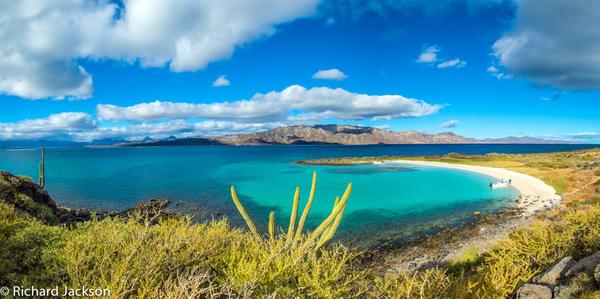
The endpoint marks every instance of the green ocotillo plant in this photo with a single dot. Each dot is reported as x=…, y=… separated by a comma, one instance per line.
x=42, y=179
x=317, y=238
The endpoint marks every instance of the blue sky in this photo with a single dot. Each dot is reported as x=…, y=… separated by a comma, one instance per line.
x=482, y=68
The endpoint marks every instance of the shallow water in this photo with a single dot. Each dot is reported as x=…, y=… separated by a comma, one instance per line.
x=384, y=197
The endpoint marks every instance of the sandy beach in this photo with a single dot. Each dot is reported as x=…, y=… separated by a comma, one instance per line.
x=535, y=195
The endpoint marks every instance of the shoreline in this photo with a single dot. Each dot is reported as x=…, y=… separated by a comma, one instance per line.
x=535, y=195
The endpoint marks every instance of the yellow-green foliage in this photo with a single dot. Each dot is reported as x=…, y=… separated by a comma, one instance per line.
x=528, y=252
x=431, y=283
x=28, y=249
x=178, y=257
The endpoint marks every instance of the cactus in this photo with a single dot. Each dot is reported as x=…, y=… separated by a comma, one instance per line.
x=324, y=232
x=42, y=179
x=244, y=214
x=337, y=210
x=294, y=214
x=328, y=234
x=306, y=210
x=272, y=224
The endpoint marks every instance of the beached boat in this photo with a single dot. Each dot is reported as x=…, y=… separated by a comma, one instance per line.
x=504, y=183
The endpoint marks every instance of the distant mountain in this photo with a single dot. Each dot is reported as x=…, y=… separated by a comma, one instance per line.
x=356, y=135
x=107, y=141
x=175, y=142
x=298, y=135
x=521, y=140
x=340, y=134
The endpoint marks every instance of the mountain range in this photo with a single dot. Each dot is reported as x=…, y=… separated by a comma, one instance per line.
x=294, y=135
x=338, y=134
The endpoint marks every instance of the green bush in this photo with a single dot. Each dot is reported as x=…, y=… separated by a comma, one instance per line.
x=29, y=249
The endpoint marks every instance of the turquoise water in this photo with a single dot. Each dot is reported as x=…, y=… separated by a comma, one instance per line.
x=385, y=198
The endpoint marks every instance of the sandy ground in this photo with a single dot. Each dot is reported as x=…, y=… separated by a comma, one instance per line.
x=535, y=195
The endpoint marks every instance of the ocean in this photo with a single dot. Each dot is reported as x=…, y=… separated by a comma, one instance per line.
x=385, y=198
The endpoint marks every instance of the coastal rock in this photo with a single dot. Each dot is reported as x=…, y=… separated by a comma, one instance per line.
x=597, y=275
x=534, y=291
x=587, y=264
x=25, y=195
x=557, y=272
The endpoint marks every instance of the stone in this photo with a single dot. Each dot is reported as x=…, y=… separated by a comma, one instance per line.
x=534, y=291
x=556, y=273
x=586, y=264
x=597, y=275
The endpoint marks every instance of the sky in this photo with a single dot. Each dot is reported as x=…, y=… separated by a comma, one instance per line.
x=92, y=69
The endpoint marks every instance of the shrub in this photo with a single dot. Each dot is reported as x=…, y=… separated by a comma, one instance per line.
x=28, y=249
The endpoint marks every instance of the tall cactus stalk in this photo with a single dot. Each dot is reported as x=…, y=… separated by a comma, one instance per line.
x=306, y=210
x=42, y=179
x=338, y=208
x=272, y=224
x=328, y=234
x=244, y=214
x=294, y=214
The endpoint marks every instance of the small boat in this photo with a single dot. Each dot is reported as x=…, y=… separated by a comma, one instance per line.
x=504, y=183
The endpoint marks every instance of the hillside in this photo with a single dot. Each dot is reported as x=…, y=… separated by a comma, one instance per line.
x=356, y=135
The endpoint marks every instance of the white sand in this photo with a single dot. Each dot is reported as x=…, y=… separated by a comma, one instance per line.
x=535, y=194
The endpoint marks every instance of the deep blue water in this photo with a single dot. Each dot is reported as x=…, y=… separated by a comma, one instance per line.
x=384, y=197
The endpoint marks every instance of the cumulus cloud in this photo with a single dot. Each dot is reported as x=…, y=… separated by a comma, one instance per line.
x=429, y=55
x=554, y=43
x=330, y=74
x=58, y=126
x=77, y=126
x=42, y=42
x=295, y=103
x=221, y=82
x=456, y=63
x=450, y=124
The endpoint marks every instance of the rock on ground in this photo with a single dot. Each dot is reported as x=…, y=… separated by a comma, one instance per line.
x=553, y=275
x=597, y=275
x=534, y=291
x=586, y=264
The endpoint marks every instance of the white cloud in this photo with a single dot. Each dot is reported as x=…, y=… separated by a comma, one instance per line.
x=221, y=81
x=60, y=126
x=43, y=41
x=429, y=55
x=497, y=73
x=180, y=128
x=330, y=74
x=293, y=104
x=77, y=126
x=457, y=63
x=554, y=43
x=450, y=124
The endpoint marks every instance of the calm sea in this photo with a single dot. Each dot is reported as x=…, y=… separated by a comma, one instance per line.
x=399, y=198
